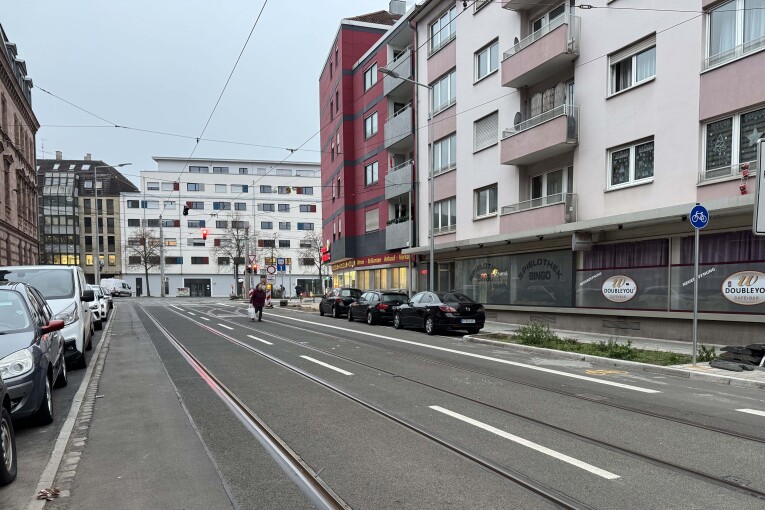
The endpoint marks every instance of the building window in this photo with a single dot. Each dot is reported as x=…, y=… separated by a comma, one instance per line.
x=221, y=224
x=445, y=215
x=168, y=205
x=370, y=125
x=168, y=186
x=196, y=205
x=308, y=208
x=198, y=241
x=130, y=222
x=200, y=260
x=133, y=204
x=305, y=190
x=151, y=204
x=112, y=260
x=244, y=171
x=284, y=208
x=370, y=173
x=266, y=243
x=169, y=223
x=194, y=186
x=151, y=186
x=240, y=206
x=265, y=188
x=88, y=184
x=240, y=188
x=196, y=223
x=550, y=187
x=370, y=77
x=220, y=169
x=305, y=226
x=284, y=225
x=444, y=93
x=372, y=222
x=284, y=190
x=267, y=225
x=221, y=188
x=731, y=142
x=480, y=4
x=735, y=29
x=486, y=201
x=109, y=206
x=152, y=222
x=171, y=241
x=199, y=169
x=486, y=60
x=443, y=30
x=224, y=261
x=486, y=131
x=222, y=206
x=633, y=66
x=631, y=164
x=307, y=262
x=240, y=225
x=266, y=207
x=110, y=225
x=284, y=243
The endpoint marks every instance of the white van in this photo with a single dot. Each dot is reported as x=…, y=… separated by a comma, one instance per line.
x=68, y=296
x=116, y=287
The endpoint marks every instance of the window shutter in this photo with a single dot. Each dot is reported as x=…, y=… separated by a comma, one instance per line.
x=176, y=223
x=202, y=223
x=631, y=50
x=143, y=204
x=216, y=205
x=176, y=186
x=486, y=131
x=245, y=188
x=299, y=191
x=216, y=242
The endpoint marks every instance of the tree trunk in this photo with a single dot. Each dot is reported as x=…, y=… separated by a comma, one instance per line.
x=146, y=273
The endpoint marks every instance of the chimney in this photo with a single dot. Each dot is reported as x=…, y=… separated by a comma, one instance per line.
x=397, y=7
x=59, y=155
x=87, y=157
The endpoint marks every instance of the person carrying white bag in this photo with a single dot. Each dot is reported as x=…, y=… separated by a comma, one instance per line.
x=257, y=302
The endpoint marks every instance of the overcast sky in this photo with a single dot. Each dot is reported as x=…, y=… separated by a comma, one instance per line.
x=160, y=65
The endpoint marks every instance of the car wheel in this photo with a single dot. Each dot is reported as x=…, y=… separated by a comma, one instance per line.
x=98, y=325
x=473, y=331
x=44, y=414
x=335, y=313
x=61, y=380
x=430, y=326
x=7, y=448
x=370, y=318
x=350, y=315
x=321, y=311
x=397, y=321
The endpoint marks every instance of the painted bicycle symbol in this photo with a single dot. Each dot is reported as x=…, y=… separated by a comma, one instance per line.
x=699, y=217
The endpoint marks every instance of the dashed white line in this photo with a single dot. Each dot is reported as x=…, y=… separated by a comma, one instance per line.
x=223, y=304
x=224, y=326
x=529, y=444
x=260, y=340
x=173, y=306
x=191, y=313
x=751, y=411
x=488, y=358
x=205, y=319
x=327, y=365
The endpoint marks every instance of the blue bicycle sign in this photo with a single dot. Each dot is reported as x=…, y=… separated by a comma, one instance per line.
x=699, y=217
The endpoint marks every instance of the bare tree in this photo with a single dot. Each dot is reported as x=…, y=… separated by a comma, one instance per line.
x=230, y=246
x=310, y=248
x=143, y=251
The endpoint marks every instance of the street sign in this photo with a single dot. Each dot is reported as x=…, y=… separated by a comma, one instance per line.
x=281, y=264
x=699, y=217
x=252, y=259
x=759, y=199
x=271, y=269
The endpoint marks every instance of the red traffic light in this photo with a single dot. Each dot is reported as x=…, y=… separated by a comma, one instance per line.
x=204, y=234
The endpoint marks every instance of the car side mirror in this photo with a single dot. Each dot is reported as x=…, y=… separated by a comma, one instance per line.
x=87, y=295
x=52, y=326
x=410, y=303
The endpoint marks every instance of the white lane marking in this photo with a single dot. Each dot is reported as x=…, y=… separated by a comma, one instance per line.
x=223, y=304
x=488, y=358
x=224, y=326
x=260, y=340
x=529, y=444
x=191, y=313
x=327, y=365
x=752, y=411
x=205, y=319
x=173, y=306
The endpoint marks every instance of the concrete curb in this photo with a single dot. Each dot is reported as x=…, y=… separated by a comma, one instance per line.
x=634, y=365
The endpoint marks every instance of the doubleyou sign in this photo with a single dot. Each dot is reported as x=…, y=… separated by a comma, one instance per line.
x=745, y=288
x=619, y=288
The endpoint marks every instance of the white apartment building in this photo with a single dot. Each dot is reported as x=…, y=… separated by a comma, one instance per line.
x=276, y=206
x=569, y=146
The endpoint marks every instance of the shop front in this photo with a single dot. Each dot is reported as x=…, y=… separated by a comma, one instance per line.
x=383, y=272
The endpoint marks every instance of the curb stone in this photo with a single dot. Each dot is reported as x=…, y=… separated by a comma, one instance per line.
x=643, y=367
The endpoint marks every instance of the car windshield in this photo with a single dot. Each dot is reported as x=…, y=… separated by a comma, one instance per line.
x=453, y=297
x=387, y=298
x=350, y=293
x=52, y=283
x=13, y=313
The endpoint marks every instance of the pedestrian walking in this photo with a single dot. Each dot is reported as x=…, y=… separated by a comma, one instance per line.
x=258, y=301
x=298, y=292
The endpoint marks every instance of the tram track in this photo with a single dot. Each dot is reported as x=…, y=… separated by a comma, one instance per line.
x=724, y=482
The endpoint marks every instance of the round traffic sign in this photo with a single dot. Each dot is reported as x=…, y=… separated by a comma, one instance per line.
x=271, y=269
x=699, y=217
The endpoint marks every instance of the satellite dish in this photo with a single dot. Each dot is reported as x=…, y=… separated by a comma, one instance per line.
x=517, y=120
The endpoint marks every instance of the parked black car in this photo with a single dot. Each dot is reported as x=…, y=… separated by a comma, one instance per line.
x=336, y=301
x=440, y=310
x=376, y=306
x=31, y=351
x=8, y=461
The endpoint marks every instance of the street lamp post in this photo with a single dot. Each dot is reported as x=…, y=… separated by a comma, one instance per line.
x=431, y=257
x=97, y=257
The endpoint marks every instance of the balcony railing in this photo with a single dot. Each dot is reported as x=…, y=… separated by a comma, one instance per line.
x=728, y=171
x=573, y=35
x=445, y=229
x=398, y=180
x=402, y=65
x=733, y=53
x=569, y=110
x=570, y=199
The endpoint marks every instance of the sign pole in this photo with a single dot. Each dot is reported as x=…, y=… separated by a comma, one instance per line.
x=695, y=292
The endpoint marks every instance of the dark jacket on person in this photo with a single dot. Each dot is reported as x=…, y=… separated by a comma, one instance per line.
x=258, y=298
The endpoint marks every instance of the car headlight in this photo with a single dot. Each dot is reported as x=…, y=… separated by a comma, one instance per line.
x=69, y=315
x=18, y=363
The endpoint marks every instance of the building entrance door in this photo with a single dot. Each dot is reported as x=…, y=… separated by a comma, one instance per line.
x=139, y=287
x=198, y=287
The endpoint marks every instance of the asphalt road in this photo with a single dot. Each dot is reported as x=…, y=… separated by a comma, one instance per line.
x=606, y=438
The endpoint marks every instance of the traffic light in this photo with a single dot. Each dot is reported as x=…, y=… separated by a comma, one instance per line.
x=255, y=268
x=204, y=234
x=185, y=210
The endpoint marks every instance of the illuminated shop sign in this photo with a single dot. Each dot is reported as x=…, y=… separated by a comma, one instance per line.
x=619, y=288
x=745, y=288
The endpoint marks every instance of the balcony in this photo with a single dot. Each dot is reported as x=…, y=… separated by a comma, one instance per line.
x=523, y=5
x=539, y=212
x=397, y=235
x=547, y=52
x=398, y=181
x=734, y=53
x=398, y=128
x=403, y=66
x=552, y=133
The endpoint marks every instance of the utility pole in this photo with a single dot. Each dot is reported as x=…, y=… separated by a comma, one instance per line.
x=161, y=259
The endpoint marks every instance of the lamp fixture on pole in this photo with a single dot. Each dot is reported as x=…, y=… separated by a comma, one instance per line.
x=97, y=257
x=431, y=255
